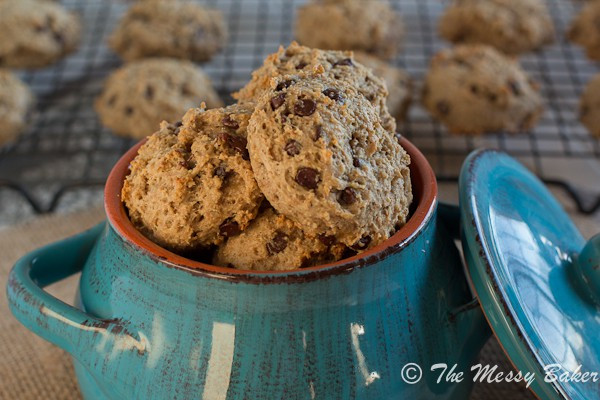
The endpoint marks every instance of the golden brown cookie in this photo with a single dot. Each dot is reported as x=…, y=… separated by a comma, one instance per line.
x=511, y=26
x=336, y=65
x=191, y=184
x=474, y=89
x=585, y=30
x=35, y=33
x=16, y=101
x=371, y=26
x=141, y=94
x=164, y=28
x=323, y=159
x=589, y=108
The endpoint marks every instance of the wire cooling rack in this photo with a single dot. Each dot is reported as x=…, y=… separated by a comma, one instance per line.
x=67, y=153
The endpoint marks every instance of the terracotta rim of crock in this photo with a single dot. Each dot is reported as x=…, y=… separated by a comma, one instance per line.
x=425, y=197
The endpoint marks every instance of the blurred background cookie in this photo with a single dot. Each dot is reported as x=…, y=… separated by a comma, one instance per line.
x=35, y=33
x=139, y=95
x=16, y=102
x=169, y=28
x=511, y=26
x=589, y=108
x=475, y=89
x=399, y=84
x=585, y=29
x=370, y=26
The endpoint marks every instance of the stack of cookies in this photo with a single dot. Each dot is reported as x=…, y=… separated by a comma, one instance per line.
x=305, y=169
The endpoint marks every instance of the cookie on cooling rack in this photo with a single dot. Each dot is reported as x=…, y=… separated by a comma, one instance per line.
x=372, y=27
x=191, y=185
x=585, y=30
x=398, y=83
x=322, y=158
x=589, y=106
x=35, y=34
x=141, y=94
x=166, y=28
x=16, y=101
x=474, y=89
x=511, y=26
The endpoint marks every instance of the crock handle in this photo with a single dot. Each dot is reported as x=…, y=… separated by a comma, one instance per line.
x=61, y=324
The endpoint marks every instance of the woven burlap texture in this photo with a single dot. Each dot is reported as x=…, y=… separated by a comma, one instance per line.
x=32, y=369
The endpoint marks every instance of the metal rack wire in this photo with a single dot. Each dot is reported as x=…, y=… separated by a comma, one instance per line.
x=66, y=149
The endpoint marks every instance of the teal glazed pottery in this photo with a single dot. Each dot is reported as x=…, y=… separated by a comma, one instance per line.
x=153, y=325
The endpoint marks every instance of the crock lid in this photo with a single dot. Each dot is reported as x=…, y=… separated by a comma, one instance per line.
x=536, y=279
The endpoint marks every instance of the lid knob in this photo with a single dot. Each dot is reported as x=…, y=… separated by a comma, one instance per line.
x=587, y=266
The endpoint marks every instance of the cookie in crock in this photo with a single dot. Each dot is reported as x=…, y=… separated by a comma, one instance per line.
x=322, y=158
x=337, y=65
x=191, y=184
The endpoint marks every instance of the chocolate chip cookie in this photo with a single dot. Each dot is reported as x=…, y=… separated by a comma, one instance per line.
x=336, y=65
x=273, y=242
x=397, y=80
x=585, y=30
x=372, y=26
x=322, y=158
x=141, y=94
x=589, y=107
x=191, y=184
x=475, y=89
x=511, y=26
x=36, y=33
x=16, y=100
x=163, y=28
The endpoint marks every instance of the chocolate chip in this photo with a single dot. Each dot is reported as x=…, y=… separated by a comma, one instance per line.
x=474, y=89
x=149, y=93
x=347, y=197
x=327, y=240
x=301, y=65
x=356, y=162
x=318, y=133
x=277, y=101
x=230, y=123
x=284, y=85
x=515, y=87
x=229, y=228
x=178, y=124
x=492, y=97
x=186, y=91
x=345, y=61
x=305, y=107
x=292, y=148
x=333, y=94
x=443, y=107
x=111, y=100
x=308, y=177
x=59, y=38
x=362, y=244
x=189, y=162
x=221, y=171
x=237, y=143
x=584, y=110
x=128, y=110
x=278, y=243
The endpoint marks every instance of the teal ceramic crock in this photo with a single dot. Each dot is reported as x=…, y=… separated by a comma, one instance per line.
x=153, y=325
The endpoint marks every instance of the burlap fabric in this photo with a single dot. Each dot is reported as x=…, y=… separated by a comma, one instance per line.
x=31, y=368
